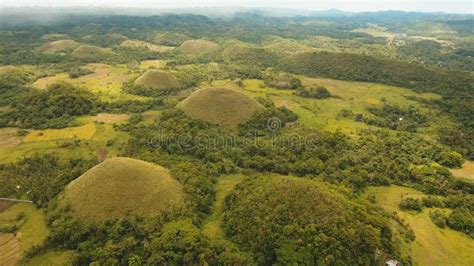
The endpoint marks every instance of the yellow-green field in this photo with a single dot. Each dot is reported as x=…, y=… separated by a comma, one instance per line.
x=51, y=258
x=10, y=249
x=323, y=113
x=9, y=137
x=151, y=116
x=32, y=231
x=212, y=226
x=147, y=64
x=106, y=81
x=467, y=170
x=83, y=132
x=88, y=147
x=433, y=245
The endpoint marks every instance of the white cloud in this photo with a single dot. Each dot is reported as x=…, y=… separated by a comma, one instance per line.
x=454, y=6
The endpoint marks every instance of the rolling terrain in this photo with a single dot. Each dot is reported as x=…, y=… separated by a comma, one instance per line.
x=251, y=140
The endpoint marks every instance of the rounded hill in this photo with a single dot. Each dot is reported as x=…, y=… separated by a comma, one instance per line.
x=170, y=38
x=220, y=106
x=198, y=47
x=59, y=46
x=311, y=222
x=120, y=186
x=157, y=79
x=90, y=51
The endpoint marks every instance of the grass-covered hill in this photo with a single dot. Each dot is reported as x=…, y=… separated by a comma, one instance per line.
x=220, y=106
x=90, y=51
x=170, y=38
x=288, y=220
x=157, y=79
x=121, y=186
x=198, y=47
x=59, y=46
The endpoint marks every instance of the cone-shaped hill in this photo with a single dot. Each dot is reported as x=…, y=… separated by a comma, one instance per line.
x=157, y=79
x=121, y=186
x=220, y=106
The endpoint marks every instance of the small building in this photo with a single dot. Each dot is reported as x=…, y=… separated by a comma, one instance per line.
x=392, y=263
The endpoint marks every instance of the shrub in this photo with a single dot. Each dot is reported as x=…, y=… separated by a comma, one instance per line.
x=319, y=92
x=411, y=204
x=438, y=218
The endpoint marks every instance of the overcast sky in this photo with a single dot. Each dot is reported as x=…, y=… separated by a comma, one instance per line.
x=451, y=6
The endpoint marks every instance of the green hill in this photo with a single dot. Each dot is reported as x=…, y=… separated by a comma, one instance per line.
x=289, y=221
x=170, y=38
x=59, y=46
x=121, y=186
x=220, y=106
x=157, y=79
x=198, y=47
x=90, y=51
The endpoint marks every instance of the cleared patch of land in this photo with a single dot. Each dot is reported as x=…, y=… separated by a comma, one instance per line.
x=83, y=132
x=147, y=64
x=147, y=45
x=111, y=118
x=220, y=106
x=121, y=186
x=106, y=81
x=466, y=171
x=433, y=245
x=9, y=137
x=10, y=249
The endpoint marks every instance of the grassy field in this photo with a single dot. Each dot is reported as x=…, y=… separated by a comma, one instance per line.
x=83, y=132
x=10, y=249
x=467, y=170
x=106, y=81
x=220, y=106
x=33, y=231
x=147, y=64
x=9, y=137
x=51, y=258
x=120, y=186
x=433, y=245
x=87, y=148
x=355, y=96
x=151, y=116
x=212, y=225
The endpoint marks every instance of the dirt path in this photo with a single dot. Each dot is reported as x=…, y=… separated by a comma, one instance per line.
x=212, y=226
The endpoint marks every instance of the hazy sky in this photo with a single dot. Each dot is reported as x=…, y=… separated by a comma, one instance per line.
x=452, y=6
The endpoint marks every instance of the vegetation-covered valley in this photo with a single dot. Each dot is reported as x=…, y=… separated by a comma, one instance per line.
x=325, y=139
